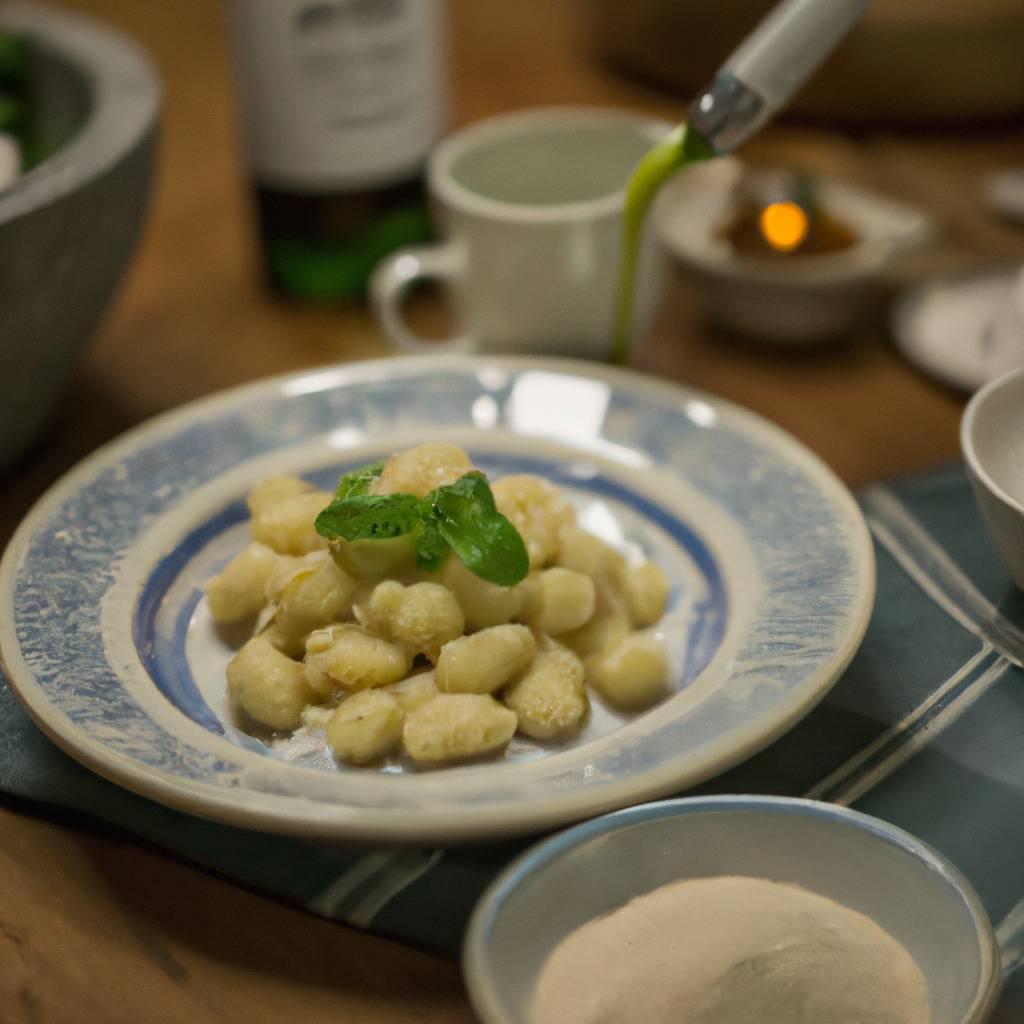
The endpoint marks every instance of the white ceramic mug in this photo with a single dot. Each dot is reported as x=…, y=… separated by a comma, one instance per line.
x=530, y=209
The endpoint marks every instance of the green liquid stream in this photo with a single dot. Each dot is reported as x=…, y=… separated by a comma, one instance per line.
x=681, y=147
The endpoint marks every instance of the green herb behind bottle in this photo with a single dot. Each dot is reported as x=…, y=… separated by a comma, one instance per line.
x=15, y=103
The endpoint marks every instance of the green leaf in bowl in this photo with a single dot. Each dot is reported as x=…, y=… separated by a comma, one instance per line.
x=372, y=534
x=483, y=539
x=359, y=480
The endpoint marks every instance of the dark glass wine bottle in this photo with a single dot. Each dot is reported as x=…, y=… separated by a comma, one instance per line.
x=340, y=101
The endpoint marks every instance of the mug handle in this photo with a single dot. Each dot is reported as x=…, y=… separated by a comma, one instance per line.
x=390, y=281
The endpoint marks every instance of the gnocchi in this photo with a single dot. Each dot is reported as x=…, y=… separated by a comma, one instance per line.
x=273, y=491
x=268, y=685
x=388, y=655
x=630, y=674
x=414, y=691
x=484, y=662
x=560, y=600
x=348, y=657
x=286, y=524
x=315, y=597
x=538, y=510
x=366, y=727
x=419, y=470
x=646, y=590
x=585, y=553
x=458, y=726
x=237, y=593
x=607, y=626
x=483, y=604
x=550, y=700
x=421, y=618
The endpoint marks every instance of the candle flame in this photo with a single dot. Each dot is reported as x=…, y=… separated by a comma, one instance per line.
x=784, y=225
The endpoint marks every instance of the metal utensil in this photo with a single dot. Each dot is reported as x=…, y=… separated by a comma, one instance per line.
x=768, y=67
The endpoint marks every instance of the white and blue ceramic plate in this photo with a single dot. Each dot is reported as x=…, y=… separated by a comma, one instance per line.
x=108, y=642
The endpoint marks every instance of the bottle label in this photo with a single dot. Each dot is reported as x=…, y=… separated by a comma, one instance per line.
x=337, y=93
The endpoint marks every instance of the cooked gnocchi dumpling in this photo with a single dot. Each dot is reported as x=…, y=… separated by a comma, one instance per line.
x=268, y=685
x=457, y=726
x=401, y=640
x=560, y=600
x=421, y=618
x=286, y=524
x=366, y=727
x=550, y=700
x=538, y=510
x=419, y=470
x=484, y=662
x=238, y=592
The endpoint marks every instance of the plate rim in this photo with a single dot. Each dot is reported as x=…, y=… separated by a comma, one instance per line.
x=284, y=814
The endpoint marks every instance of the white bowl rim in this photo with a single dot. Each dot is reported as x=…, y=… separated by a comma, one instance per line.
x=967, y=424
x=478, y=969
x=125, y=90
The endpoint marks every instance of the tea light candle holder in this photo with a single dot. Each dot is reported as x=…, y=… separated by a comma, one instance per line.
x=786, y=300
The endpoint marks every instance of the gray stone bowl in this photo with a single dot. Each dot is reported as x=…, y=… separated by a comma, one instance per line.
x=68, y=226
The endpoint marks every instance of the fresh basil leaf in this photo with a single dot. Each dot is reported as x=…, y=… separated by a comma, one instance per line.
x=431, y=548
x=372, y=516
x=482, y=538
x=359, y=480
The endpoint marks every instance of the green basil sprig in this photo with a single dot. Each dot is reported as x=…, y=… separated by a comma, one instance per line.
x=359, y=480
x=460, y=517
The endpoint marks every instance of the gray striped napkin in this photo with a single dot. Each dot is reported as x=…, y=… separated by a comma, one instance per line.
x=925, y=729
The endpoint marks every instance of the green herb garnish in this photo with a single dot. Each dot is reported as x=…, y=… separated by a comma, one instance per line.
x=431, y=547
x=484, y=540
x=359, y=480
x=371, y=516
x=460, y=516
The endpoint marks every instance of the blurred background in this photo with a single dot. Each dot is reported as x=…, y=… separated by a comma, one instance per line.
x=922, y=105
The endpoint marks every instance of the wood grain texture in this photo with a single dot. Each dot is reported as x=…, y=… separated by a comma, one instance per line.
x=94, y=928
x=101, y=931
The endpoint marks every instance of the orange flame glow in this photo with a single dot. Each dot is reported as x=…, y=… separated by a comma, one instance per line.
x=784, y=225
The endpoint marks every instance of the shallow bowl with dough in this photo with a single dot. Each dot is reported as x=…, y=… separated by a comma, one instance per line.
x=859, y=861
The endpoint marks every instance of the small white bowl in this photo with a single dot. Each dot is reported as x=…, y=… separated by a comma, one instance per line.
x=992, y=440
x=859, y=861
x=792, y=302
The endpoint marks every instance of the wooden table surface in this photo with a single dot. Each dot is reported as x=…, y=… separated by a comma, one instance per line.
x=94, y=927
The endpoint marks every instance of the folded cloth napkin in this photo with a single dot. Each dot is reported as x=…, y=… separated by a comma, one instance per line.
x=925, y=728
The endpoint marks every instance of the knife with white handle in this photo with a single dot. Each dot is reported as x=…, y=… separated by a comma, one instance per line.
x=769, y=66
